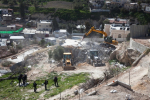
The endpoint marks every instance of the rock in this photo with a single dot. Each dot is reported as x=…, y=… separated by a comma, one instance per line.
x=92, y=93
x=76, y=92
x=125, y=55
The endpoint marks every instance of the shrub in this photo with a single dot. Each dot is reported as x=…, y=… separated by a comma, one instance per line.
x=19, y=47
x=6, y=63
x=128, y=37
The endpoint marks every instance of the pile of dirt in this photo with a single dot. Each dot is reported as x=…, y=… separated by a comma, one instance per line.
x=125, y=55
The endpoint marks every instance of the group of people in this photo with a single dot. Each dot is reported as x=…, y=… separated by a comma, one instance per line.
x=45, y=83
x=23, y=78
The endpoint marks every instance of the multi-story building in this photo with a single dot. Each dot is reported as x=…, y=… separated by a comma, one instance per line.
x=44, y=25
x=130, y=6
x=117, y=30
x=118, y=3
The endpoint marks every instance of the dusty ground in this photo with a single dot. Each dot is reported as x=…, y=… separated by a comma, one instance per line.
x=105, y=94
x=59, y=4
x=144, y=41
x=45, y=67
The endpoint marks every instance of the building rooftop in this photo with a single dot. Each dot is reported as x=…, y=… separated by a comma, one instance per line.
x=134, y=3
x=45, y=21
x=11, y=25
x=61, y=30
x=16, y=37
x=6, y=15
x=119, y=21
x=80, y=26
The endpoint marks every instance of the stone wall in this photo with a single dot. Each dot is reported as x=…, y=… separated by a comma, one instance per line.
x=137, y=46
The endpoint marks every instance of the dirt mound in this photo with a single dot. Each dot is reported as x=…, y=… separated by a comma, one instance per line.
x=124, y=54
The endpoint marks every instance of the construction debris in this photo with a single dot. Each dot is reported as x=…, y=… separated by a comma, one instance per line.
x=125, y=55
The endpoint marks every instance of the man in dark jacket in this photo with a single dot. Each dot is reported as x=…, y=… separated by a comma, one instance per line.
x=19, y=78
x=46, y=82
x=24, y=78
x=56, y=81
x=34, y=85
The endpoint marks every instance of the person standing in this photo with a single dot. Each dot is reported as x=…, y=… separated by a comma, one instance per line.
x=34, y=85
x=56, y=81
x=23, y=79
x=19, y=79
x=46, y=82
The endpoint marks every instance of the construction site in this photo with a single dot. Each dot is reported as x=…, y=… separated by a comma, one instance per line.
x=116, y=70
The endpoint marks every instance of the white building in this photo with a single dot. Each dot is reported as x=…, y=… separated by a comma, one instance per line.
x=51, y=40
x=144, y=6
x=7, y=17
x=44, y=25
x=60, y=33
x=147, y=9
x=117, y=31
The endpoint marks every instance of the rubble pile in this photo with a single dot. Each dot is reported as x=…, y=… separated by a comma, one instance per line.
x=32, y=60
x=124, y=54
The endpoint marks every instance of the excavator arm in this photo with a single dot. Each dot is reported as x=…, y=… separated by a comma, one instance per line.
x=107, y=39
x=94, y=30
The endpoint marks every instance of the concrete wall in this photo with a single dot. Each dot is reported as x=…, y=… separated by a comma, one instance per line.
x=107, y=29
x=137, y=46
x=138, y=30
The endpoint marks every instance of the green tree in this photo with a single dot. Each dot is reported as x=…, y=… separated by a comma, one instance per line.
x=87, y=25
x=11, y=3
x=55, y=25
x=42, y=42
x=4, y=1
x=58, y=53
x=36, y=4
x=50, y=54
x=128, y=37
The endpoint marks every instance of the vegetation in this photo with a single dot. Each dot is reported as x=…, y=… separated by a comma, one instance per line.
x=58, y=53
x=128, y=37
x=50, y=54
x=6, y=63
x=42, y=43
x=18, y=47
x=10, y=91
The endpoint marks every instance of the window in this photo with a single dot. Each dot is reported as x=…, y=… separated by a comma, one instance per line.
x=119, y=36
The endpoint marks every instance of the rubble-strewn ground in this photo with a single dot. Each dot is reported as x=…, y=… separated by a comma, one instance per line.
x=144, y=41
x=121, y=92
x=40, y=68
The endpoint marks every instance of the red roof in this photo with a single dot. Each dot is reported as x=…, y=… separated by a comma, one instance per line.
x=19, y=25
x=117, y=22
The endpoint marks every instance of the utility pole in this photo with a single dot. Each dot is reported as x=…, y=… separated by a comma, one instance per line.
x=129, y=77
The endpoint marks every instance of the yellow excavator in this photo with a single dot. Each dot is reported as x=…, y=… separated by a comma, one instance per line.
x=68, y=61
x=107, y=39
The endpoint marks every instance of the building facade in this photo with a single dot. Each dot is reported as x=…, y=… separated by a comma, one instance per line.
x=44, y=25
x=117, y=31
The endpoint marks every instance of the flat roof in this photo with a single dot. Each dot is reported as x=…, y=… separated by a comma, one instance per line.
x=16, y=37
x=45, y=21
x=61, y=30
x=11, y=26
x=67, y=53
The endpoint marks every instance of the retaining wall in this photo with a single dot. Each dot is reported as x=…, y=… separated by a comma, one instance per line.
x=137, y=46
x=116, y=82
x=138, y=30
